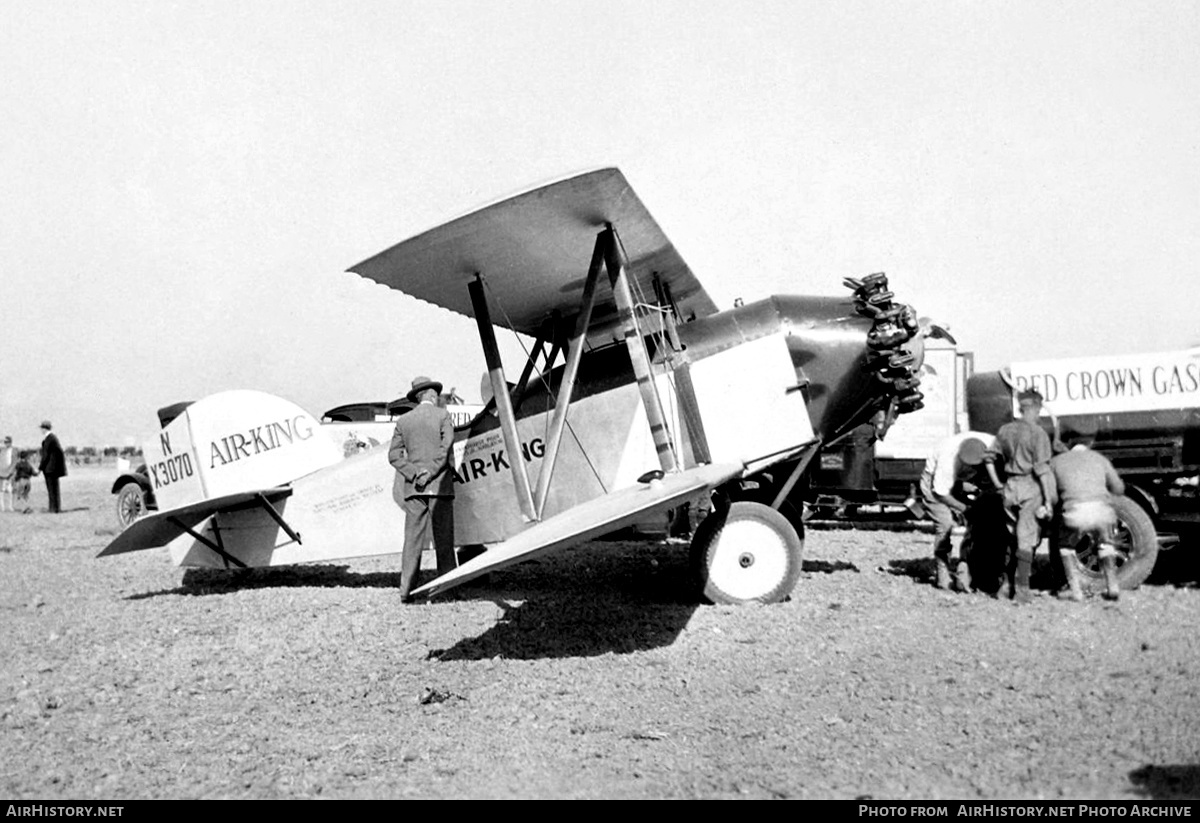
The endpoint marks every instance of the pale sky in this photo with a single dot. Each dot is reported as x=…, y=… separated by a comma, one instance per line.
x=182, y=185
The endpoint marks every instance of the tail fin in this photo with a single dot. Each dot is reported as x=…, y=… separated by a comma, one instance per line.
x=231, y=442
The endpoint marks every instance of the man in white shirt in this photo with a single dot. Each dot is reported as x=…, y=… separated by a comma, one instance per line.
x=8, y=467
x=956, y=461
x=1087, y=482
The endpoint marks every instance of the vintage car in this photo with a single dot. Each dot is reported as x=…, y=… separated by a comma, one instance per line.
x=135, y=496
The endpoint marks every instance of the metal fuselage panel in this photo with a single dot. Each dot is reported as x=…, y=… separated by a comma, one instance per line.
x=825, y=338
x=827, y=342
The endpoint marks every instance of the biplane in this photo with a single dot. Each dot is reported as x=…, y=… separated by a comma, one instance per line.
x=636, y=396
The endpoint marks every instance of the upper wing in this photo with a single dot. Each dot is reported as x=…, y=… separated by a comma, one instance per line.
x=587, y=520
x=533, y=251
x=160, y=528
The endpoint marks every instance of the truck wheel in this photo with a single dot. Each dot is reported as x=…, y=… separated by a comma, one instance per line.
x=1137, y=549
x=746, y=552
x=131, y=504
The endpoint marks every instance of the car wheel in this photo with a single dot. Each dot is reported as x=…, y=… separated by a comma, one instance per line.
x=131, y=504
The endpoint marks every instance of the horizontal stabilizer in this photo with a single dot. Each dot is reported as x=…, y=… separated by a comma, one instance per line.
x=160, y=528
x=587, y=520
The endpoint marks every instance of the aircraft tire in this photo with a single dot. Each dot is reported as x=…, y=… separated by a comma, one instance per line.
x=796, y=515
x=746, y=553
x=1137, y=549
x=130, y=504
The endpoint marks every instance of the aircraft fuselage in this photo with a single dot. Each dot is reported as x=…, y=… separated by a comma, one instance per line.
x=830, y=381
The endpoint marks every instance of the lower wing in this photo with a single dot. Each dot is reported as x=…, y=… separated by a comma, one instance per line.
x=587, y=520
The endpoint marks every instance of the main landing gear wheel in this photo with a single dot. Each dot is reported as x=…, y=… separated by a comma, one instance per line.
x=747, y=552
x=1136, y=542
x=131, y=504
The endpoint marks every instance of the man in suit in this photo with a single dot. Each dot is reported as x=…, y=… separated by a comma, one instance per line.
x=421, y=451
x=53, y=465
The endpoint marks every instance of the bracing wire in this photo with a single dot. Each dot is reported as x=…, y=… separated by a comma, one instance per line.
x=545, y=380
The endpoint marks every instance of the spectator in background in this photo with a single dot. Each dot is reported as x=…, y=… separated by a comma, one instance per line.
x=8, y=468
x=53, y=466
x=21, y=482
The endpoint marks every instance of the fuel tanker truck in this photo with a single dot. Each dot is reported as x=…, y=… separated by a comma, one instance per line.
x=1142, y=411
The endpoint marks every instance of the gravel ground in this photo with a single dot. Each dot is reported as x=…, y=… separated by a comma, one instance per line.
x=592, y=674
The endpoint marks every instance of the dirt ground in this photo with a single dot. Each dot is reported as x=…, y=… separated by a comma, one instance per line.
x=592, y=674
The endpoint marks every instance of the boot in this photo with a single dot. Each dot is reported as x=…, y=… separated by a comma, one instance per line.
x=943, y=573
x=1070, y=566
x=1108, y=560
x=1021, y=593
x=1004, y=590
x=962, y=577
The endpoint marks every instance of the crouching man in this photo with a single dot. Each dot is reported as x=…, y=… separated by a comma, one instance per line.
x=1086, y=482
x=954, y=464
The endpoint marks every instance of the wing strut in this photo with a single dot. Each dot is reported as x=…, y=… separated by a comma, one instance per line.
x=504, y=406
x=679, y=365
x=606, y=253
x=567, y=385
x=270, y=510
x=619, y=275
x=218, y=546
